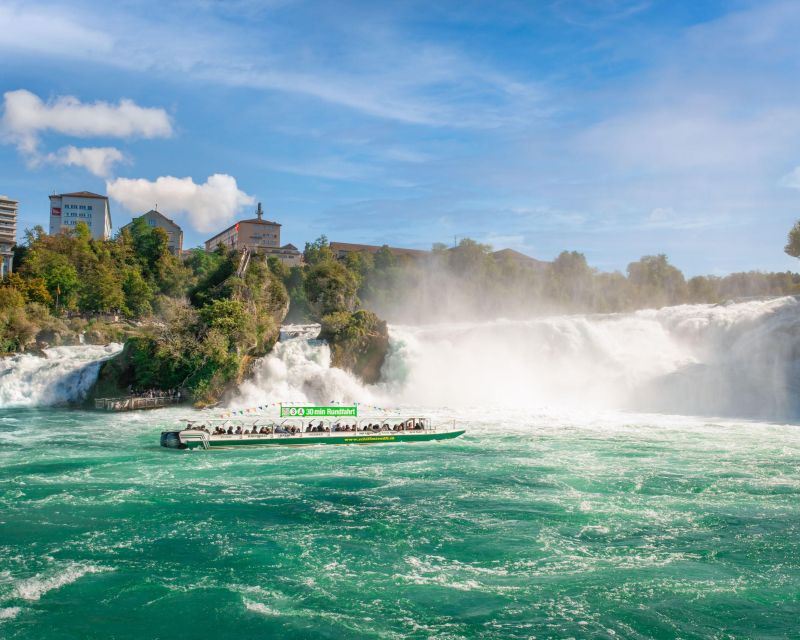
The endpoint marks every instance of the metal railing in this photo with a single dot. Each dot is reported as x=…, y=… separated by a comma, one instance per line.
x=131, y=403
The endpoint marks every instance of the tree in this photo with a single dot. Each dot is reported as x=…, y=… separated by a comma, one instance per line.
x=138, y=294
x=793, y=246
x=101, y=291
x=227, y=316
x=571, y=279
x=62, y=282
x=657, y=281
x=317, y=251
x=329, y=287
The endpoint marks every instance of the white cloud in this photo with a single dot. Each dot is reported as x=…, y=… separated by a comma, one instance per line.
x=791, y=179
x=26, y=116
x=383, y=73
x=208, y=206
x=97, y=160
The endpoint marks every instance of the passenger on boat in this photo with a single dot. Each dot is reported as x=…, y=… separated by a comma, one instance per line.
x=230, y=430
x=238, y=430
x=281, y=429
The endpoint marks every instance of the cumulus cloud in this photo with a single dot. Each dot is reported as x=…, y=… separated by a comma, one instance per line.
x=207, y=206
x=26, y=116
x=97, y=160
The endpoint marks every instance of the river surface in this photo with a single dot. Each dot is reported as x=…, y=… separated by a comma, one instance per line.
x=561, y=521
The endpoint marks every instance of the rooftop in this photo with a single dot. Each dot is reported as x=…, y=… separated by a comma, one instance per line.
x=158, y=213
x=519, y=257
x=80, y=194
x=373, y=248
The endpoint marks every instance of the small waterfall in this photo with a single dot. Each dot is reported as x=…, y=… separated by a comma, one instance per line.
x=61, y=375
x=299, y=370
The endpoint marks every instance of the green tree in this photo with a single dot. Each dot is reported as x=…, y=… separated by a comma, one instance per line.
x=227, y=316
x=138, y=294
x=101, y=291
x=329, y=287
x=793, y=245
x=656, y=281
x=317, y=251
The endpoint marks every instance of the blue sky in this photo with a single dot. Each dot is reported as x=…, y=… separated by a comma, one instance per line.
x=616, y=128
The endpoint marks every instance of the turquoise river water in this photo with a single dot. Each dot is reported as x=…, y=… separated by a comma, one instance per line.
x=617, y=526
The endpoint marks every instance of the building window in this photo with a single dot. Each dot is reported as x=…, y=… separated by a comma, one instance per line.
x=152, y=223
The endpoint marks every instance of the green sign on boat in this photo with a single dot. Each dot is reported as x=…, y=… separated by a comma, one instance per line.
x=319, y=412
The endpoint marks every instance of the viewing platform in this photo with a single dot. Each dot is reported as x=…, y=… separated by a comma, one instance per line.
x=134, y=403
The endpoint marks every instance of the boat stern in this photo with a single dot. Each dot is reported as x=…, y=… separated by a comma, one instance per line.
x=172, y=440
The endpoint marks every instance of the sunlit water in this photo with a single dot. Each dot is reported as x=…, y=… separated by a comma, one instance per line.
x=573, y=520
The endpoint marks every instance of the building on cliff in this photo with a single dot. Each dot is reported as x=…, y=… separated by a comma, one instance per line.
x=8, y=234
x=257, y=235
x=157, y=219
x=69, y=209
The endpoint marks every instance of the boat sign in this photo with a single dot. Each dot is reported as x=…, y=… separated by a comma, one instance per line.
x=319, y=412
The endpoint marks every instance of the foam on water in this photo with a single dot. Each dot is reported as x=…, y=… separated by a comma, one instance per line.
x=61, y=375
x=34, y=588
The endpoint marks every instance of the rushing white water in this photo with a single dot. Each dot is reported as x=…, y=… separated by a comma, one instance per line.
x=738, y=360
x=61, y=375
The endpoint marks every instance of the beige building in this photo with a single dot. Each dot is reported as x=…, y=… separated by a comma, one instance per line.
x=157, y=219
x=69, y=209
x=8, y=234
x=258, y=235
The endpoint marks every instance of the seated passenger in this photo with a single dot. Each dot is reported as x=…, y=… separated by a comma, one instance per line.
x=238, y=431
x=230, y=431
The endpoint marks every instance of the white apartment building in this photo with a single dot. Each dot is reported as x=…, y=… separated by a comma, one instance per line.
x=8, y=234
x=68, y=209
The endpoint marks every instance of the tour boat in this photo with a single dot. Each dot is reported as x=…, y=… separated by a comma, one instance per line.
x=224, y=433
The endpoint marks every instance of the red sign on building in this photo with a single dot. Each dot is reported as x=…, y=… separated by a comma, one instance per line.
x=55, y=211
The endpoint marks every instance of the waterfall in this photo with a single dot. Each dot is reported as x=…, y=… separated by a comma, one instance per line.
x=739, y=359
x=60, y=375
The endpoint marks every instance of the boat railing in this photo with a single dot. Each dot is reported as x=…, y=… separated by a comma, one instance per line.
x=428, y=427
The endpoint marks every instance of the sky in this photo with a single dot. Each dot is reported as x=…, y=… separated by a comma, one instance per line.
x=617, y=128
